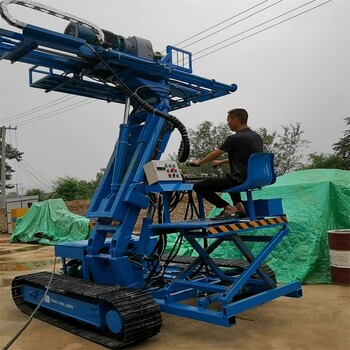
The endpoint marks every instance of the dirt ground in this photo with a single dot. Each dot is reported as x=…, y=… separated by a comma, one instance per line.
x=318, y=320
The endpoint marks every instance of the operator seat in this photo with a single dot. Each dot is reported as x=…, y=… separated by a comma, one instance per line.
x=260, y=173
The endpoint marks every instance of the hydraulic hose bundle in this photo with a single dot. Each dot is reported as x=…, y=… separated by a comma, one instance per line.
x=184, y=150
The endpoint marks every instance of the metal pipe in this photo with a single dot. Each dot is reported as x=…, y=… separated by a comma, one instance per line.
x=126, y=110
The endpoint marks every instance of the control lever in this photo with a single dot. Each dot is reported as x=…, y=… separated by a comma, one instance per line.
x=191, y=163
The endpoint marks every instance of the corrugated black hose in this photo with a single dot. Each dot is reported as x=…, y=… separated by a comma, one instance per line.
x=184, y=150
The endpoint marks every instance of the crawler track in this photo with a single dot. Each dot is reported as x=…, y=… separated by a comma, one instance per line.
x=140, y=313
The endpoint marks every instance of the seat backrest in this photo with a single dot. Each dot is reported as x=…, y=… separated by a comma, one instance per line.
x=260, y=170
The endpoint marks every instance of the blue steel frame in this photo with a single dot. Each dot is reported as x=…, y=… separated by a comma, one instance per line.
x=69, y=65
x=219, y=288
x=91, y=313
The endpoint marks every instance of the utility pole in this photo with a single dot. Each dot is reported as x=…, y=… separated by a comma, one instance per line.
x=3, y=155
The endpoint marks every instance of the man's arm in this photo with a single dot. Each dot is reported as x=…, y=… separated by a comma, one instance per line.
x=216, y=163
x=208, y=158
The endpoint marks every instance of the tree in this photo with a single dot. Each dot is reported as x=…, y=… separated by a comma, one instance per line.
x=339, y=160
x=71, y=188
x=11, y=153
x=286, y=147
x=37, y=192
x=94, y=183
x=11, y=195
x=206, y=138
x=323, y=161
x=342, y=147
x=203, y=140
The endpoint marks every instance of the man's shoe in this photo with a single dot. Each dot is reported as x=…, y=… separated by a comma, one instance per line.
x=224, y=216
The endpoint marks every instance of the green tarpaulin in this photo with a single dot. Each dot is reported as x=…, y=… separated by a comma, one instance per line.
x=314, y=201
x=50, y=222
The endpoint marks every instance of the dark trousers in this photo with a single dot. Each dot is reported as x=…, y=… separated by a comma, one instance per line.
x=208, y=188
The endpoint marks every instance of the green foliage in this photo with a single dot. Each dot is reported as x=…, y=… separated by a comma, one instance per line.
x=37, y=192
x=11, y=195
x=286, y=147
x=342, y=147
x=339, y=160
x=71, y=188
x=203, y=140
x=206, y=138
x=11, y=153
x=95, y=183
x=324, y=161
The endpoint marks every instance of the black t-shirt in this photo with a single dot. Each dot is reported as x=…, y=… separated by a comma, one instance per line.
x=239, y=148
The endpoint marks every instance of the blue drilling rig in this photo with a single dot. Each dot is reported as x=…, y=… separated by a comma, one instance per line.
x=114, y=286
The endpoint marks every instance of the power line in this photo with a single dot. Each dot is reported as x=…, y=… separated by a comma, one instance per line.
x=82, y=103
x=232, y=24
x=247, y=30
x=260, y=31
x=54, y=113
x=23, y=164
x=39, y=108
x=216, y=25
x=48, y=184
x=65, y=98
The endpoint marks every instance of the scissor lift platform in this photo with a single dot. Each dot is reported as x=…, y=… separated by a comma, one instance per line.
x=209, y=227
x=220, y=295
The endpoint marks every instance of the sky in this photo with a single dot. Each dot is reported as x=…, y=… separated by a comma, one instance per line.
x=296, y=71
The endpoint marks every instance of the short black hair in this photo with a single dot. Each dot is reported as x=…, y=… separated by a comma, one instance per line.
x=239, y=113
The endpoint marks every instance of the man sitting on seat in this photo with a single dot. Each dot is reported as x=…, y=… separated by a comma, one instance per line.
x=239, y=147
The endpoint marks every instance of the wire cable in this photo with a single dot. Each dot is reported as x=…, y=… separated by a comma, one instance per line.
x=66, y=98
x=60, y=111
x=260, y=31
x=216, y=25
x=38, y=108
x=258, y=25
x=13, y=339
x=33, y=169
x=232, y=24
x=48, y=184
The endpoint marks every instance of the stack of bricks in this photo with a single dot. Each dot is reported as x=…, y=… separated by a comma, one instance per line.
x=78, y=207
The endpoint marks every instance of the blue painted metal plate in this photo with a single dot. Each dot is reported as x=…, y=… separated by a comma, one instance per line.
x=79, y=309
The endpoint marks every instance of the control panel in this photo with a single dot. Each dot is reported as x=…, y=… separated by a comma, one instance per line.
x=162, y=170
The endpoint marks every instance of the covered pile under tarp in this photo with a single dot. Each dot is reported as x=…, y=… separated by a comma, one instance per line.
x=314, y=201
x=50, y=222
